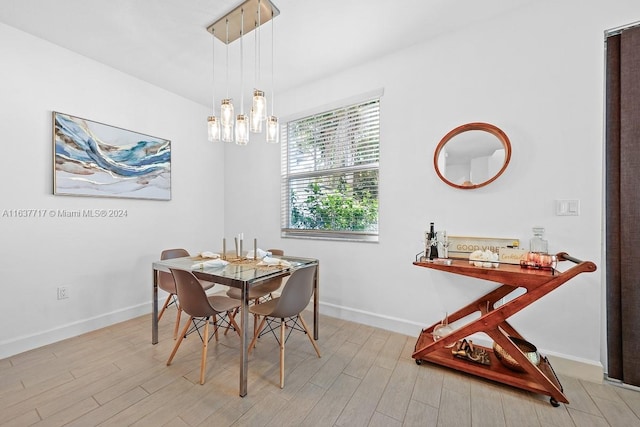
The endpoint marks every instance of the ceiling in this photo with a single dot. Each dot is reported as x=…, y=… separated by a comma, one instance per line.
x=165, y=42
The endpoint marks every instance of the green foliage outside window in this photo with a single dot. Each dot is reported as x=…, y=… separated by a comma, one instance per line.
x=337, y=211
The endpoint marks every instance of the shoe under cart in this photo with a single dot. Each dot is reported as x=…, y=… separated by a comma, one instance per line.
x=493, y=322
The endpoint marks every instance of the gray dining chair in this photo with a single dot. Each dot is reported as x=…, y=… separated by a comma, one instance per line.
x=202, y=309
x=285, y=312
x=167, y=284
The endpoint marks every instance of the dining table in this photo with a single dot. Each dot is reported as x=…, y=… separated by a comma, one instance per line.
x=241, y=273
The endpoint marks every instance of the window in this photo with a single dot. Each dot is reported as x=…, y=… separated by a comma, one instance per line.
x=330, y=163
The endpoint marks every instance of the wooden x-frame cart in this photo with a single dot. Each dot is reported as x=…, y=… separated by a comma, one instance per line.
x=493, y=321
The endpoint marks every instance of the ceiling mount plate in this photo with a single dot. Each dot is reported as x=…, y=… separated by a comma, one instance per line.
x=268, y=11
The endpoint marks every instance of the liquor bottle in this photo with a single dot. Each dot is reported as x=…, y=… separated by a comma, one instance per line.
x=538, y=244
x=433, y=241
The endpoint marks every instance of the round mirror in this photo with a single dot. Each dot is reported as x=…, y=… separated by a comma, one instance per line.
x=472, y=155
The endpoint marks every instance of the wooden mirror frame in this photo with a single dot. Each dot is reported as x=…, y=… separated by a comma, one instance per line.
x=486, y=127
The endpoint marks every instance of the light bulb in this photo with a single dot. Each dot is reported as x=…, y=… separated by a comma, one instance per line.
x=242, y=129
x=227, y=133
x=213, y=128
x=259, y=105
x=255, y=124
x=273, y=130
x=226, y=112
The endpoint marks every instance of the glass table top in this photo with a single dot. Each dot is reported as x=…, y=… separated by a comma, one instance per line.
x=237, y=271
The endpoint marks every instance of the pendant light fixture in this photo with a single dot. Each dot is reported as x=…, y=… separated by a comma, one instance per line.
x=242, y=121
x=254, y=117
x=234, y=26
x=257, y=110
x=213, y=124
x=213, y=129
x=258, y=104
x=273, y=127
x=226, y=107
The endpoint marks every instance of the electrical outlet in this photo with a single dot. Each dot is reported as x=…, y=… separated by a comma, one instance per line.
x=63, y=292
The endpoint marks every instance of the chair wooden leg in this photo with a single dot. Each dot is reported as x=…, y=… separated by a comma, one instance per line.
x=177, y=326
x=232, y=321
x=256, y=332
x=282, y=324
x=235, y=311
x=205, y=346
x=175, y=347
x=164, y=307
x=306, y=329
x=215, y=325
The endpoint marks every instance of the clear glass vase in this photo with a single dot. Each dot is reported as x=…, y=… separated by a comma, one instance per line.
x=538, y=244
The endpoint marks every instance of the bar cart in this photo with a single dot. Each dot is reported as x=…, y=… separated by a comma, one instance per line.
x=493, y=322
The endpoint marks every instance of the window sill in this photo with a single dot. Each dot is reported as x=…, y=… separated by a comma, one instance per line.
x=344, y=236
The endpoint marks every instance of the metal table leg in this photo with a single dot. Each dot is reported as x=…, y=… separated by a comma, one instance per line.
x=316, y=303
x=154, y=311
x=244, y=341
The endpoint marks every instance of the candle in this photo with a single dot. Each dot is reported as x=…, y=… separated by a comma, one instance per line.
x=236, y=243
x=224, y=248
x=255, y=249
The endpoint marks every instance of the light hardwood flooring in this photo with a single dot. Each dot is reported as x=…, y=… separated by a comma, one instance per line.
x=366, y=377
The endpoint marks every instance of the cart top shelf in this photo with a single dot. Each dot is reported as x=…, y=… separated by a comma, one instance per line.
x=513, y=275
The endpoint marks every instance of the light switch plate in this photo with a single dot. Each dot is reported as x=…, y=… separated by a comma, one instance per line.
x=568, y=207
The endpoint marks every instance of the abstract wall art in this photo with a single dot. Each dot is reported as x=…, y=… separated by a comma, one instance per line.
x=94, y=159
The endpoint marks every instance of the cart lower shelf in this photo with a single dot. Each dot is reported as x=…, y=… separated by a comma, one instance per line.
x=498, y=372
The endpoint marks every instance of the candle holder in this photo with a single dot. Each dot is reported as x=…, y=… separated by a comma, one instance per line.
x=255, y=249
x=224, y=248
x=539, y=261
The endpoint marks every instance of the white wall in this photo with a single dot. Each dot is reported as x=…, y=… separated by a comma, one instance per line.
x=537, y=73
x=105, y=263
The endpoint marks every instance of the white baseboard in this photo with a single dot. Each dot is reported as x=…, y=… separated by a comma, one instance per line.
x=583, y=369
x=395, y=324
x=29, y=342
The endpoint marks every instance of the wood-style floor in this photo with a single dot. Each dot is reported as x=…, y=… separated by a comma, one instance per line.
x=366, y=377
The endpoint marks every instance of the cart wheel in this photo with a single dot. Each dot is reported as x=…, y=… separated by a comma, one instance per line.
x=418, y=361
x=554, y=402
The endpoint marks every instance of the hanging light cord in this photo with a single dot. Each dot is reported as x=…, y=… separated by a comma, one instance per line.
x=213, y=73
x=272, y=60
x=241, y=62
x=255, y=54
x=258, y=44
x=227, y=58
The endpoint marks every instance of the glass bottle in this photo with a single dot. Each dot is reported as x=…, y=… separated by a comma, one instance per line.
x=427, y=245
x=443, y=241
x=538, y=244
x=433, y=241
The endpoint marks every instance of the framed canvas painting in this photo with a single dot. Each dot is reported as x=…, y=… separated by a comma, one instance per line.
x=94, y=159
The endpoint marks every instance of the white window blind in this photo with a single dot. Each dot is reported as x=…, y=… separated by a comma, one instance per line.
x=330, y=164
